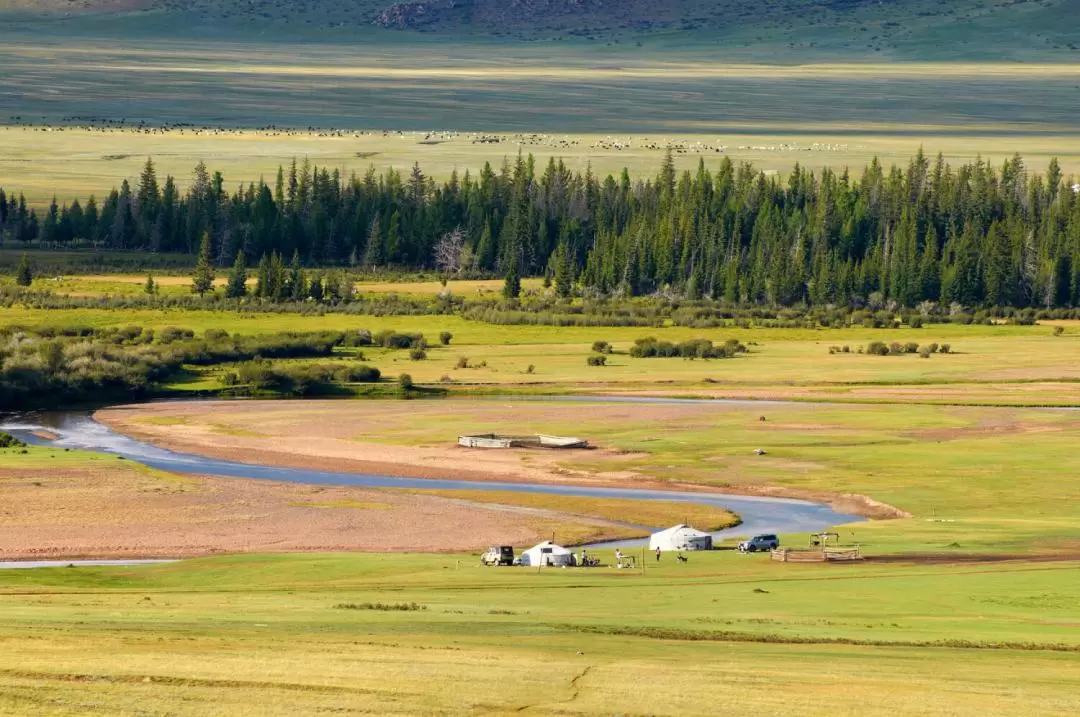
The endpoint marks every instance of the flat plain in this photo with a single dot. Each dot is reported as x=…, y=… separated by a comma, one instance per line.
x=247, y=107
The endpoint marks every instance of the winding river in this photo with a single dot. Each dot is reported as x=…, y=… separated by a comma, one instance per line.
x=78, y=429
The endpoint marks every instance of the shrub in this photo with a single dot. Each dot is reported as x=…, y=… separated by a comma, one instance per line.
x=1059, y=330
x=945, y=348
x=877, y=348
x=405, y=382
x=215, y=335
x=531, y=369
x=846, y=349
x=9, y=441
x=417, y=354
x=445, y=337
x=601, y=347
x=360, y=337
x=170, y=334
x=911, y=347
x=597, y=360
x=358, y=374
x=924, y=352
x=386, y=607
x=915, y=321
x=391, y=339
x=933, y=348
x=462, y=362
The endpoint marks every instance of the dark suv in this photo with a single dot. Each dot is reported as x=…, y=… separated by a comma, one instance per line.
x=760, y=542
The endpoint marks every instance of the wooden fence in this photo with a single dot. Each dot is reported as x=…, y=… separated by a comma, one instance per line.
x=788, y=555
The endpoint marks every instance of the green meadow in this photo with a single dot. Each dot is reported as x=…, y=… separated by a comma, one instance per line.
x=728, y=633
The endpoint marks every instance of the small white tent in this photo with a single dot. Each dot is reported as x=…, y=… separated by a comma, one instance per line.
x=547, y=554
x=680, y=537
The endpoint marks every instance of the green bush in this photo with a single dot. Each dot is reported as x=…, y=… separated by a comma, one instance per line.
x=650, y=347
x=877, y=348
x=360, y=337
x=445, y=337
x=405, y=382
x=597, y=360
x=417, y=354
x=9, y=441
x=945, y=348
x=391, y=339
x=462, y=362
x=601, y=347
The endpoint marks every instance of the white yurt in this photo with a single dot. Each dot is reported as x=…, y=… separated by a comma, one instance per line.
x=680, y=537
x=547, y=554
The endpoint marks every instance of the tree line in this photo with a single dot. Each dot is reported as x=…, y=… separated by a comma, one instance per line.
x=972, y=235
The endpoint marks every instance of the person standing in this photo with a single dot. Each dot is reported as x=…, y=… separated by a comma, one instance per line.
x=658, y=554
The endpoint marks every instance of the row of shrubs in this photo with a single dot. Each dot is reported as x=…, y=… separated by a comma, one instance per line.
x=895, y=348
x=37, y=370
x=651, y=347
x=298, y=379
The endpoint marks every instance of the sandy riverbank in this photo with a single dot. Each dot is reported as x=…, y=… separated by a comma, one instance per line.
x=106, y=508
x=345, y=436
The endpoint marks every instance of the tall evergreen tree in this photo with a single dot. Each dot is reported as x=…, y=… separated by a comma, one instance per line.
x=202, y=280
x=24, y=275
x=237, y=285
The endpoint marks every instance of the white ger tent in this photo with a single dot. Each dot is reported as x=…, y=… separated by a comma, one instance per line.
x=680, y=537
x=547, y=553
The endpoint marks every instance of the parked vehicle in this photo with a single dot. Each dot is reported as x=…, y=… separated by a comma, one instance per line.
x=760, y=542
x=498, y=555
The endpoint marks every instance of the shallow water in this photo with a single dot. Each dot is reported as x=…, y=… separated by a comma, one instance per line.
x=77, y=429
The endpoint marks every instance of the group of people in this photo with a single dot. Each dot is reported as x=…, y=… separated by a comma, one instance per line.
x=582, y=559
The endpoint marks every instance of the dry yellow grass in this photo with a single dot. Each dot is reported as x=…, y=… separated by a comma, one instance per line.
x=75, y=163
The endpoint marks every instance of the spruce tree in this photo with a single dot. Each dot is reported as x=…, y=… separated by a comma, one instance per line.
x=297, y=286
x=24, y=275
x=150, y=288
x=202, y=280
x=512, y=285
x=237, y=286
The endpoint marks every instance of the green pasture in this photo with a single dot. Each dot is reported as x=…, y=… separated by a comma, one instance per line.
x=975, y=479
x=725, y=632
x=987, y=365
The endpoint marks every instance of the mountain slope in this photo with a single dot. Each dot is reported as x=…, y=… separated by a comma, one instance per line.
x=904, y=29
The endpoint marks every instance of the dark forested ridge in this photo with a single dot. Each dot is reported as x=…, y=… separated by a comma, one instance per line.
x=973, y=235
x=989, y=29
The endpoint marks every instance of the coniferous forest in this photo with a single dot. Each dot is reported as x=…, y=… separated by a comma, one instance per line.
x=973, y=235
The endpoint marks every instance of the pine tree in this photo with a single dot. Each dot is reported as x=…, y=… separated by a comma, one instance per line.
x=202, y=280
x=150, y=288
x=262, y=278
x=237, y=286
x=315, y=291
x=297, y=286
x=512, y=284
x=24, y=275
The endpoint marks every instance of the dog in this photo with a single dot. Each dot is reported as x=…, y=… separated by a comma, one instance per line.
x=681, y=558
